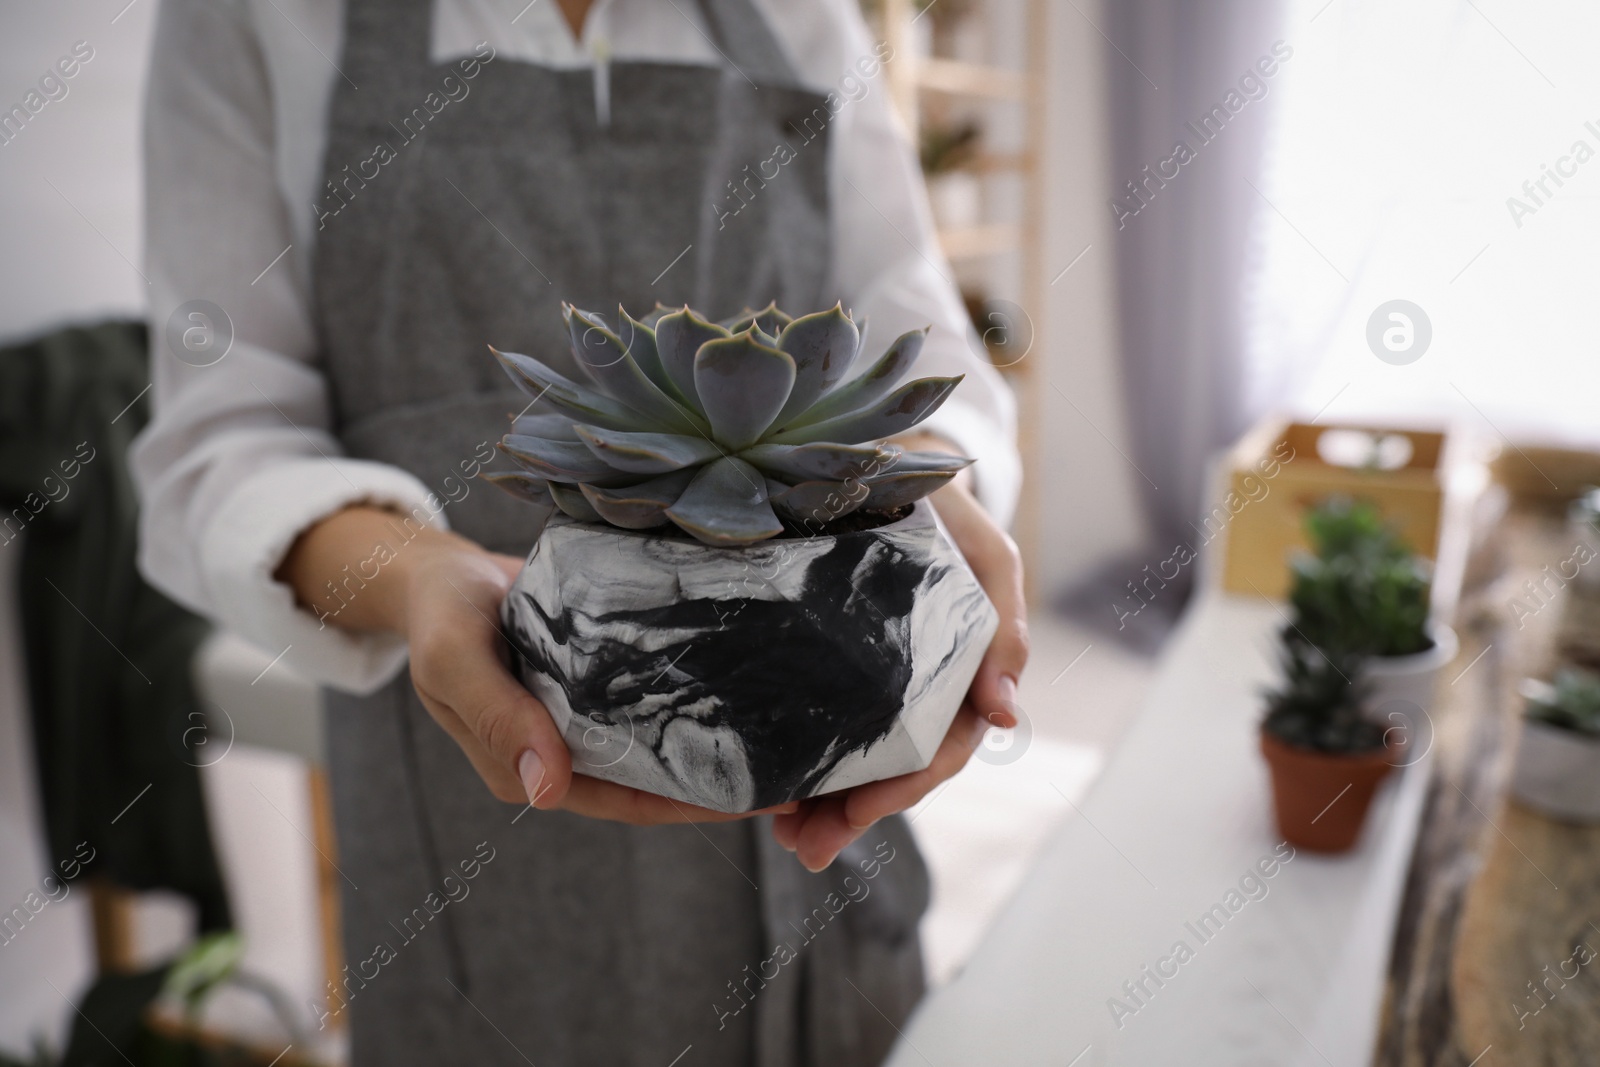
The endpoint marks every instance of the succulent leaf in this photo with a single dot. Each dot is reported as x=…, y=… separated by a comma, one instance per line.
x=549, y=425
x=866, y=387
x=557, y=461
x=642, y=506
x=647, y=453
x=770, y=320
x=822, y=461
x=896, y=490
x=823, y=346
x=742, y=386
x=726, y=504
x=572, y=502
x=917, y=462
x=565, y=396
x=640, y=339
x=604, y=357
x=521, y=485
x=679, y=336
x=818, y=502
x=720, y=432
x=896, y=413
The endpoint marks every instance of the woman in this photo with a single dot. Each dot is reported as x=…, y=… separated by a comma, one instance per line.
x=366, y=193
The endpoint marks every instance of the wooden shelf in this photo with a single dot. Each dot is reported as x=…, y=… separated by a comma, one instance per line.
x=971, y=242
x=969, y=79
x=998, y=162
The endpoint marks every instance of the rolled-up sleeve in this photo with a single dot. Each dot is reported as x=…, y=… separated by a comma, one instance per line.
x=886, y=251
x=239, y=458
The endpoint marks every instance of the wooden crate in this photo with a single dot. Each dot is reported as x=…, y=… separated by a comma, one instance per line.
x=1276, y=473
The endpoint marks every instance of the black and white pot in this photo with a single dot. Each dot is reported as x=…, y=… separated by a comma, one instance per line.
x=1408, y=680
x=1558, y=772
x=739, y=678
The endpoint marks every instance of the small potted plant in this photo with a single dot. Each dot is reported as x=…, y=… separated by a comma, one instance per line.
x=1325, y=753
x=1362, y=591
x=744, y=598
x=1583, y=521
x=1558, y=761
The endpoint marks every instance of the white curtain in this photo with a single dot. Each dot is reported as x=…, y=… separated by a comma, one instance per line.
x=1191, y=86
x=1447, y=153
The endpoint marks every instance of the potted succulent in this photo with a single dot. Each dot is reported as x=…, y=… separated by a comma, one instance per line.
x=1558, y=761
x=743, y=598
x=1325, y=754
x=1583, y=521
x=1362, y=591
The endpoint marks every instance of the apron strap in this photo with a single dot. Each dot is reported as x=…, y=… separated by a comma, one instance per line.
x=385, y=37
x=747, y=42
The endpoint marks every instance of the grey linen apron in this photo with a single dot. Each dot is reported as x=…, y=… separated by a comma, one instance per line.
x=576, y=941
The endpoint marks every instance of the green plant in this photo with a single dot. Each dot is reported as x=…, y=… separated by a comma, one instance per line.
x=721, y=428
x=947, y=147
x=1319, y=703
x=1363, y=591
x=1572, y=703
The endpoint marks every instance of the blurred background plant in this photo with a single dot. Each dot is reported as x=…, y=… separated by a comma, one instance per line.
x=1319, y=703
x=1572, y=702
x=1362, y=590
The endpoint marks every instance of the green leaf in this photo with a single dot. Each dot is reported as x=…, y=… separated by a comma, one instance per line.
x=891, y=491
x=642, y=506
x=726, y=504
x=817, y=503
x=865, y=388
x=896, y=413
x=769, y=320
x=742, y=386
x=602, y=356
x=550, y=425
x=573, y=503
x=557, y=392
x=640, y=339
x=822, y=461
x=679, y=336
x=910, y=462
x=647, y=453
x=558, y=461
x=521, y=485
x=823, y=347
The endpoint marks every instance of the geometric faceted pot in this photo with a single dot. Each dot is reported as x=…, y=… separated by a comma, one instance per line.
x=1321, y=798
x=1558, y=772
x=739, y=678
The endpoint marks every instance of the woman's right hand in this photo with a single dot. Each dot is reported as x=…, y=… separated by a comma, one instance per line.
x=442, y=593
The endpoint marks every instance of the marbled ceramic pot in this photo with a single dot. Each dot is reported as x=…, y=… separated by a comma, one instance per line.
x=739, y=678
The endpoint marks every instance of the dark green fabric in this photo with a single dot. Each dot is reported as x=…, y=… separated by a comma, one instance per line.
x=109, y=659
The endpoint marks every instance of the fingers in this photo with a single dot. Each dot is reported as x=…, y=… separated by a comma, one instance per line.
x=866, y=804
x=825, y=833
x=457, y=669
x=997, y=565
x=786, y=827
x=619, y=803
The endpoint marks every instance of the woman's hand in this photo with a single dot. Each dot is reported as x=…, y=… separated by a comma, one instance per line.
x=825, y=825
x=442, y=593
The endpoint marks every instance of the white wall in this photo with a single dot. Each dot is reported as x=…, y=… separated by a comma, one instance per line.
x=1086, y=497
x=69, y=183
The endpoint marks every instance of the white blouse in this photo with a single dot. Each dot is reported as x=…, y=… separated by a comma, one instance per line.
x=240, y=457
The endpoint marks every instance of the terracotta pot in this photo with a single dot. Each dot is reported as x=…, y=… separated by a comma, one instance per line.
x=1322, y=799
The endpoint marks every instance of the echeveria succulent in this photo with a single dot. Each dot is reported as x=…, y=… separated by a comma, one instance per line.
x=720, y=428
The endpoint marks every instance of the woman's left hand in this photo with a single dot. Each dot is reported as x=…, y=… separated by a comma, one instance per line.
x=822, y=826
